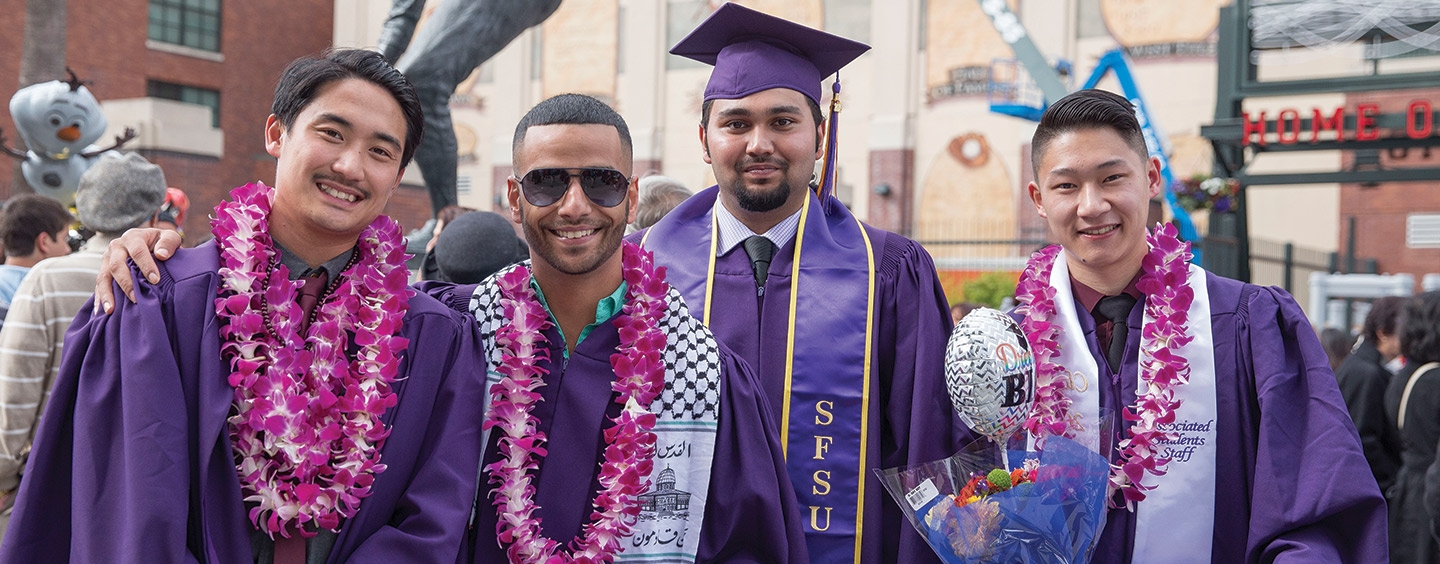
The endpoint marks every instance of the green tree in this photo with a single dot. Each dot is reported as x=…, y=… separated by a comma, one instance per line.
x=990, y=288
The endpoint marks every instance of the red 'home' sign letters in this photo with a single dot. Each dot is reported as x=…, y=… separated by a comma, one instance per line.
x=1419, y=124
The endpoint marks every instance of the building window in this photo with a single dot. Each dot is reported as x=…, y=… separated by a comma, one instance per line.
x=188, y=94
x=191, y=23
x=1422, y=230
x=681, y=17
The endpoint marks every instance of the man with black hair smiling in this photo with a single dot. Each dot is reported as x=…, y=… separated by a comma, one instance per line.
x=1234, y=445
x=277, y=395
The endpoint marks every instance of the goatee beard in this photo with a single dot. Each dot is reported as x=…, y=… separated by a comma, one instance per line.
x=763, y=200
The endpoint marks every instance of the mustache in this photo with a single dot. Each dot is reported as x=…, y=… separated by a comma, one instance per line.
x=335, y=179
x=776, y=162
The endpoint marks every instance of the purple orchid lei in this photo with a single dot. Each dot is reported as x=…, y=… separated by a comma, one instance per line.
x=1165, y=282
x=1050, y=413
x=307, y=426
x=630, y=443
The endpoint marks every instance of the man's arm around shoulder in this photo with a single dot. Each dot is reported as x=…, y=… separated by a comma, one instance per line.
x=119, y=404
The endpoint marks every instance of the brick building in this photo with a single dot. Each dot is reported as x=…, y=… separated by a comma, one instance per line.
x=220, y=57
x=1396, y=223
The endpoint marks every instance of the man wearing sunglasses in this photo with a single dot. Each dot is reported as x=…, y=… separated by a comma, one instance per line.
x=612, y=341
x=845, y=324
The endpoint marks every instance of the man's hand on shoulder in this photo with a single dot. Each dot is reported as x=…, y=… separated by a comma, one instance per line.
x=137, y=245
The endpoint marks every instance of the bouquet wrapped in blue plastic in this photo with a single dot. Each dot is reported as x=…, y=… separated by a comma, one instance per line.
x=972, y=510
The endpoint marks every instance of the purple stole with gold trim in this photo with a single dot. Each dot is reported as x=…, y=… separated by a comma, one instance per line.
x=828, y=347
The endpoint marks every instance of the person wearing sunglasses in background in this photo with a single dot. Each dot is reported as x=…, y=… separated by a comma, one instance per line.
x=588, y=352
x=772, y=268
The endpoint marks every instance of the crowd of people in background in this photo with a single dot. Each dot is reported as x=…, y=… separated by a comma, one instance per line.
x=1412, y=407
x=1392, y=392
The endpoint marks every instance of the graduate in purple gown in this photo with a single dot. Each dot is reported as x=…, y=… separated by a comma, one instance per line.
x=572, y=324
x=1235, y=445
x=844, y=323
x=233, y=413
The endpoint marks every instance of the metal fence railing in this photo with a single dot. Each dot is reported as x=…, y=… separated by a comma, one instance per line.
x=1273, y=263
x=980, y=245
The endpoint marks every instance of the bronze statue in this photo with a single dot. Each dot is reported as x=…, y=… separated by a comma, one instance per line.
x=459, y=36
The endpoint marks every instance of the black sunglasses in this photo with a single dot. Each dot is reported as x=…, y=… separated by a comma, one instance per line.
x=604, y=186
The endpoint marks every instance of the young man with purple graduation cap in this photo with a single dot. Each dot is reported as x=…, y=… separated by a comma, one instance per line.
x=845, y=324
x=278, y=394
x=1235, y=445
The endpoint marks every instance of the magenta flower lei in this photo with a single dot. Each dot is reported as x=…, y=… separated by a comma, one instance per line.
x=1165, y=282
x=306, y=428
x=630, y=444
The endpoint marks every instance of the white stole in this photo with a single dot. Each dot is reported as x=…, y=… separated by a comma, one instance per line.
x=1175, y=523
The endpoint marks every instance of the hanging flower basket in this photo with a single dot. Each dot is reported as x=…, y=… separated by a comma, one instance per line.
x=1203, y=192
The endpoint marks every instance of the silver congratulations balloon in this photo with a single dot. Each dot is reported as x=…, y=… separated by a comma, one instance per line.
x=990, y=373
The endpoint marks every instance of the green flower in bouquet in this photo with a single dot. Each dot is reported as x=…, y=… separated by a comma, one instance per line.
x=1204, y=192
x=999, y=480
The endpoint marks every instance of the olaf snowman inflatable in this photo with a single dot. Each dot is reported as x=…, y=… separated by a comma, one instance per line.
x=58, y=121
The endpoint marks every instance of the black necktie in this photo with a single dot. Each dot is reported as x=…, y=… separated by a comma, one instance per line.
x=760, y=250
x=1117, y=310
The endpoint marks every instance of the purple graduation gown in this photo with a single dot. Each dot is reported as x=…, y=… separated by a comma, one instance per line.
x=750, y=515
x=133, y=463
x=1292, y=484
x=912, y=420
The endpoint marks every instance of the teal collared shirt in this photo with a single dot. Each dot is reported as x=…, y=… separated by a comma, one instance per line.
x=604, y=310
